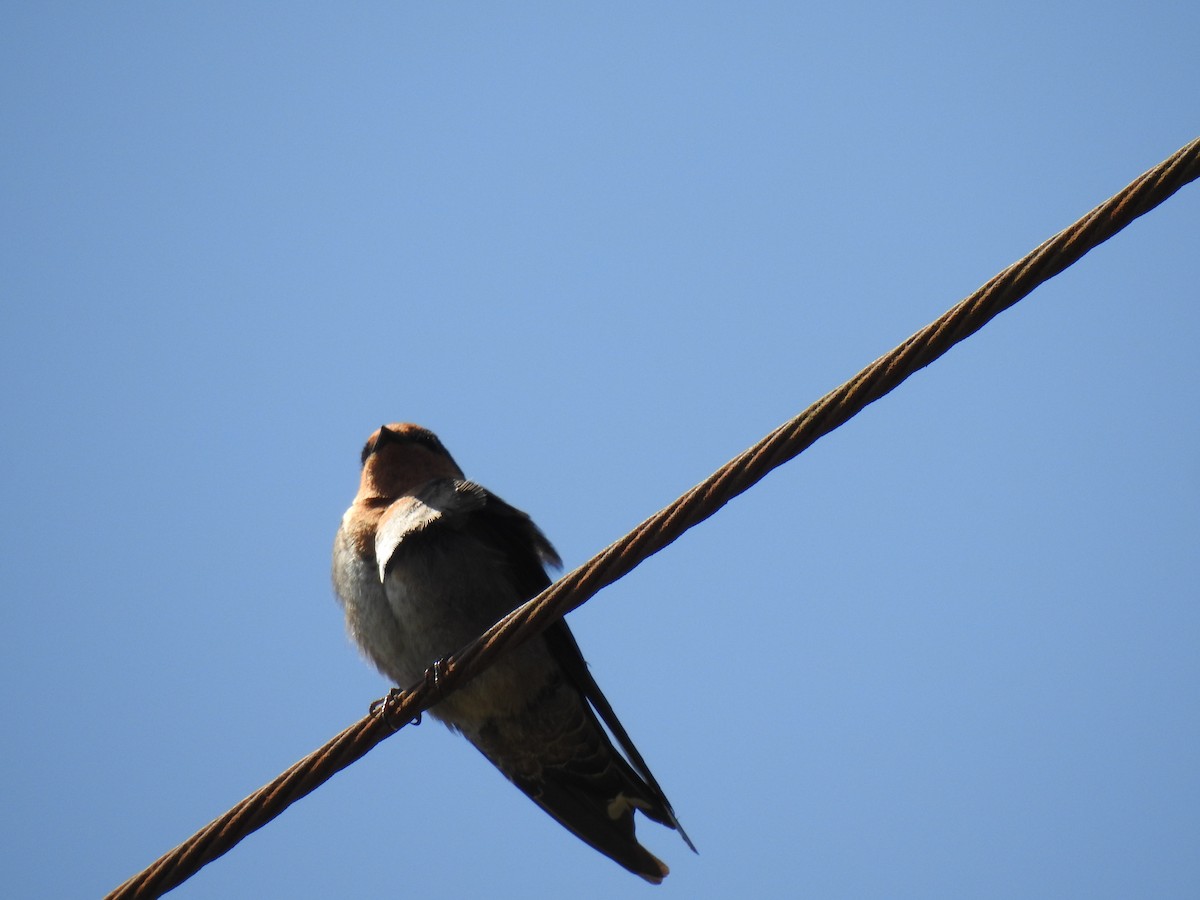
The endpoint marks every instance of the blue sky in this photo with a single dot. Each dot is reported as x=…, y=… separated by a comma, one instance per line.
x=948, y=652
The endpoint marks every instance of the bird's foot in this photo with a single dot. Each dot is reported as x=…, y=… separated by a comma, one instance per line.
x=434, y=675
x=385, y=708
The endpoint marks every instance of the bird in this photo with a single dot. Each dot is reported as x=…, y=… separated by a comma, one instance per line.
x=424, y=562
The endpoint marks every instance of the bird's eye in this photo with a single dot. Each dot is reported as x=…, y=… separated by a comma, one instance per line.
x=368, y=449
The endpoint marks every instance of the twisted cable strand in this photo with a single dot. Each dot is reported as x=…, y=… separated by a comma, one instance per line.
x=661, y=529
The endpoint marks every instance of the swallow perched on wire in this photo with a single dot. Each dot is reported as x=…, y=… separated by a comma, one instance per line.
x=423, y=563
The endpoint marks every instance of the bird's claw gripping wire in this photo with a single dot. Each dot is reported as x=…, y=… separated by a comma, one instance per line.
x=434, y=675
x=384, y=706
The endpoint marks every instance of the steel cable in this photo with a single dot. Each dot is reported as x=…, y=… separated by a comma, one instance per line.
x=661, y=529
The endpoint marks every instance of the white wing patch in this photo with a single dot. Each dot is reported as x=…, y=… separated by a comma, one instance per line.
x=619, y=804
x=433, y=502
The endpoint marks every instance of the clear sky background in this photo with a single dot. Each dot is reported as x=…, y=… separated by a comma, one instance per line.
x=949, y=652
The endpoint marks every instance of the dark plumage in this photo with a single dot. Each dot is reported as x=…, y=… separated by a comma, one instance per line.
x=424, y=562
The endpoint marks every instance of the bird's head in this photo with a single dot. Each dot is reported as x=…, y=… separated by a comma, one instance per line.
x=401, y=457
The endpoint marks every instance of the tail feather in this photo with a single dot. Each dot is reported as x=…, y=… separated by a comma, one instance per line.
x=566, y=651
x=587, y=815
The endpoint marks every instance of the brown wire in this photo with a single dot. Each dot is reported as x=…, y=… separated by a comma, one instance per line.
x=619, y=558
